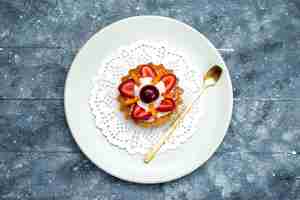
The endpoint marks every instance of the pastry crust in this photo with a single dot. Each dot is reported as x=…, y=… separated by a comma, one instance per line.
x=126, y=103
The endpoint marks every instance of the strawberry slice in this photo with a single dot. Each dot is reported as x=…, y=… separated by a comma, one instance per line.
x=147, y=71
x=126, y=88
x=169, y=81
x=138, y=113
x=166, y=105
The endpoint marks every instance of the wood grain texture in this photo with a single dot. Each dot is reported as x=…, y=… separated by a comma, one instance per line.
x=259, y=158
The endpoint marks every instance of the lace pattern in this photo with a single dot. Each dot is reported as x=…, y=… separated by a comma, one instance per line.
x=110, y=121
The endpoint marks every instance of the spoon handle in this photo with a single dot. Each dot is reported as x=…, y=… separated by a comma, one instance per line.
x=152, y=152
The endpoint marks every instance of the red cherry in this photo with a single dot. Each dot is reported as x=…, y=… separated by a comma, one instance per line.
x=149, y=93
x=147, y=71
x=166, y=105
x=169, y=81
x=139, y=113
x=126, y=88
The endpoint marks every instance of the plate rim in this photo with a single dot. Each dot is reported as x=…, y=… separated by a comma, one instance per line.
x=197, y=164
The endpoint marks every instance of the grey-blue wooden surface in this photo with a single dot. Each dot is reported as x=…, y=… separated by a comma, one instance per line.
x=260, y=156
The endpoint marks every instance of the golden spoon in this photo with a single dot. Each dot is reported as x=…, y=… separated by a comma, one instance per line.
x=210, y=79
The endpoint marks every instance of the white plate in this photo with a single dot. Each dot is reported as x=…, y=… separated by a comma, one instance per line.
x=166, y=166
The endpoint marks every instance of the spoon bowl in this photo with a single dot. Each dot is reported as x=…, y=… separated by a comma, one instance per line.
x=212, y=76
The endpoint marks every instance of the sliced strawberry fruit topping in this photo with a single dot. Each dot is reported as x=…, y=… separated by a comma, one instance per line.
x=126, y=88
x=138, y=113
x=166, y=105
x=147, y=71
x=169, y=81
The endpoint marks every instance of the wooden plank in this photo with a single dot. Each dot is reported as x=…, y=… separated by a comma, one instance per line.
x=257, y=126
x=225, y=176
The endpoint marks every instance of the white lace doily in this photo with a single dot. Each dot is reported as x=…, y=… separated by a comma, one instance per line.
x=110, y=121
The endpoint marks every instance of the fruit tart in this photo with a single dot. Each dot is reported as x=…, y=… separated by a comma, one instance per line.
x=149, y=94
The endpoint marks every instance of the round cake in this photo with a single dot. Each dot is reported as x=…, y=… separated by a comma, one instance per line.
x=149, y=94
